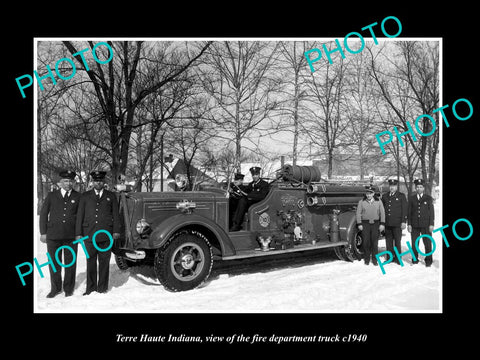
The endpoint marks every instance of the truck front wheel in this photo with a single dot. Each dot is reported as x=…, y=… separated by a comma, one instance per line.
x=184, y=262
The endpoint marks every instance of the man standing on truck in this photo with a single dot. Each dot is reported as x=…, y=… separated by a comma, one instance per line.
x=256, y=191
x=395, y=204
x=370, y=221
x=98, y=210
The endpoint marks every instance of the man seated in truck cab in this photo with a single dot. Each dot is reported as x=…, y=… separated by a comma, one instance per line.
x=236, y=190
x=256, y=191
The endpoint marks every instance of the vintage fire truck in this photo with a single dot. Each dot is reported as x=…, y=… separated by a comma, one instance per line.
x=182, y=233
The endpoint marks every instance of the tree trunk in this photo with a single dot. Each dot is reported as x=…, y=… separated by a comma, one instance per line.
x=360, y=160
x=40, y=196
x=330, y=163
x=295, y=118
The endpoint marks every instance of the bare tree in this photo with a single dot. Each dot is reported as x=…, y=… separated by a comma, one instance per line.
x=409, y=84
x=170, y=103
x=326, y=124
x=59, y=139
x=238, y=78
x=406, y=159
x=120, y=86
x=293, y=69
x=359, y=107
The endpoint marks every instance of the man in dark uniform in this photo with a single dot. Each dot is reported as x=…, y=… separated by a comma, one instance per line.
x=98, y=210
x=236, y=191
x=395, y=205
x=421, y=216
x=256, y=191
x=57, y=229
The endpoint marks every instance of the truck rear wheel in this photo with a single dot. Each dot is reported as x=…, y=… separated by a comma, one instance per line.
x=340, y=252
x=184, y=262
x=354, y=248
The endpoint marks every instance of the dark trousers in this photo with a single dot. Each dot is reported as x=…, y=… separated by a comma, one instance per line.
x=370, y=240
x=66, y=257
x=103, y=258
x=242, y=207
x=393, y=237
x=427, y=243
x=232, y=207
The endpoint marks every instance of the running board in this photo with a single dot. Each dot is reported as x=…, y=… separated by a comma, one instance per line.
x=242, y=254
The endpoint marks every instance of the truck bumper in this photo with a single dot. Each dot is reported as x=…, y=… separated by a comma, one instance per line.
x=129, y=254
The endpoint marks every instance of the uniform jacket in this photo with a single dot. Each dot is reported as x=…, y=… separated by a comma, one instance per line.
x=94, y=215
x=395, y=208
x=367, y=211
x=257, y=190
x=57, y=215
x=421, y=213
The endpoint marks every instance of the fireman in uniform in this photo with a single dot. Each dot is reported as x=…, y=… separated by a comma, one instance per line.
x=395, y=204
x=256, y=191
x=370, y=221
x=421, y=216
x=57, y=229
x=98, y=210
x=235, y=192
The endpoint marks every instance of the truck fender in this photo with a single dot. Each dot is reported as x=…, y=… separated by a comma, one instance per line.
x=164, y=230
x=348, y=223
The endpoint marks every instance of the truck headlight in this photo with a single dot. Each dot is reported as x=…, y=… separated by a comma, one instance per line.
x=142, y=226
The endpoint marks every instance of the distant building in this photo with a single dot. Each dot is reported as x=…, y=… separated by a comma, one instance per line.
x=174, y=167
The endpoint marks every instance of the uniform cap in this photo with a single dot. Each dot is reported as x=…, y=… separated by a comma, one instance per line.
x=98, y=175
x=370, y=188
x=255, y=170
x=67, y=174
x=238, y=176
x=393, y=182
x=419, y=182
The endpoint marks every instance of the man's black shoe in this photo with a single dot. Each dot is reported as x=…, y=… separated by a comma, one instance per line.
x=52, y=294
x=68, y=293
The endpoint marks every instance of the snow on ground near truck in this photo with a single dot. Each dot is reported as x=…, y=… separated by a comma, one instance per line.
x=305, y=282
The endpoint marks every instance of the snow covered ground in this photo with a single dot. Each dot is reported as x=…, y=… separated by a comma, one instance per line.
x=313, y=282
